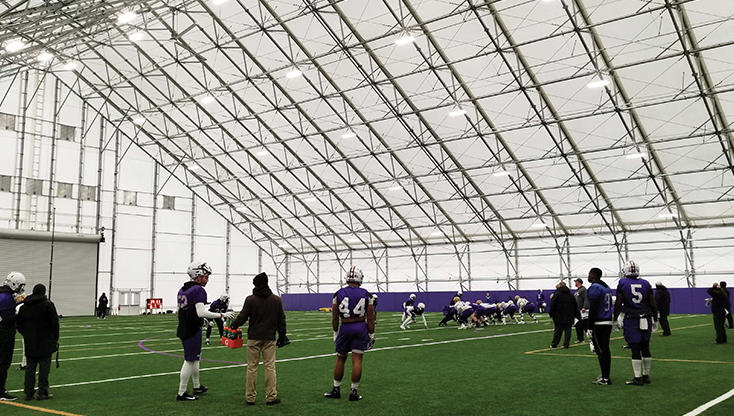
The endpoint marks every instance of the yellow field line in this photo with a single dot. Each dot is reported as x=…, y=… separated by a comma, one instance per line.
x=40, y=409
x=611, y=339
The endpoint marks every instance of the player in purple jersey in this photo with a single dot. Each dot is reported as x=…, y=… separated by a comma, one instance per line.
x=354, y=306
x=540, y=300
x=483, y=312
x=409, y=302
x=509, y=309
x=524, y=306
x=464, y=310
x=218, y=306
x=635, y=298
x=412, y=312
x=191, y=314
x=601, y=312
x=449, y=313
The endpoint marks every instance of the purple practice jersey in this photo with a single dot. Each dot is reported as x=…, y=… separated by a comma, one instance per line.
x=485, y=309
x=7, y=311
x=352, y=302
x=636, y=293
x=601, y=308
x=189, y=322
x=218, y=306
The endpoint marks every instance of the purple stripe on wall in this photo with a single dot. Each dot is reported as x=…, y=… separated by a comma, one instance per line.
x=683, y=300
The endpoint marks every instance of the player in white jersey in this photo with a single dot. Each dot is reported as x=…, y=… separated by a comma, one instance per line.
x=523, y=306
x=411, y=312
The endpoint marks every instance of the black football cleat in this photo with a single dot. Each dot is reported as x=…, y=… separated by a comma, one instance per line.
x=646, y=379
x=200, y=390
x=335, y=393
x=185, y=397
x=353, y=396
x=5, y=397
x=48, y=396
x=636, y=382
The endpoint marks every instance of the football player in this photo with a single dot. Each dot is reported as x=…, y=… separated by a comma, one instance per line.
x=12, y=285
x=464, y=310
x=374, y=305
x=509, y=309
x=456, y=297
x=191, y=313
x=412, y=312
x=600, y=323
x=218, y=306
x=523, y=307
x=354, y=306
x=483, y=312
x=449, y=313
x=636, y=299
x=540, y=300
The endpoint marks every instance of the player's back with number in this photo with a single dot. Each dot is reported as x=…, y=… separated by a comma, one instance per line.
x=636, y=293
x=352, y=302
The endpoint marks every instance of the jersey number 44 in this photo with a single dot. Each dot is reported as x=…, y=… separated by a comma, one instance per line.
x=358, y=311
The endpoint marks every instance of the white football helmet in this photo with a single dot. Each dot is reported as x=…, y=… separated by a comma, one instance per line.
x=421, y=305
x=460, y=293
x=197, y=269
x=412, y=296
x=15, y=281
x=354, y=275
x=631, y=269
x=374, y=296
x=224, y=297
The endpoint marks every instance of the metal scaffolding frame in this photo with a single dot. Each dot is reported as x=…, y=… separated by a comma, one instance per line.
x=313, y=132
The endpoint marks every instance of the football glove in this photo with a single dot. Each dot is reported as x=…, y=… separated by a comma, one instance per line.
x=590, y=334
x=615, y=326
x=282, y=341
x=371, y=342
x=335, y=334
x=228, y=315
x=591, y=346
x=654, y=325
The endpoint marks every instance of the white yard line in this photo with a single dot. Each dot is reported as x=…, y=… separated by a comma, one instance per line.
x=83, y=383
x=702, y=408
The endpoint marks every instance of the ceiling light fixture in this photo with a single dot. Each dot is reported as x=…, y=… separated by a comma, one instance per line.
x=349, y=134
x=139, y=120
x=294, y=73
x=263, y=152
x=193, y=167
x=598, y=83
x=539, y=224
x=456, y=111
x=207, y=99
x=353, y=240
x=404, y=39
x=44, y=56
x=69, y=66
x=395, y=187
x=241, y=209
x=311, y=199
x=501, y=173
x=15, y=46
x=136, y=37
x=636, y=155
x=126, y=17
x=218, y=2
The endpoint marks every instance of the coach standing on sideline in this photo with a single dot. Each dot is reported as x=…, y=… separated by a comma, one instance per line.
x=265, y=312
x=38, y=322
x=562, y=310
x=662, y=299
x=728, y=304
x=582, y=302
x=13, y=284
x=718, y=308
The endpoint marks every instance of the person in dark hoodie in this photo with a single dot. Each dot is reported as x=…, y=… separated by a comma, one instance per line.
x=102, y=306
x=728, y=304
x=191, y=313
x=601, y=310
x=12, y=285
x=265, y=312
x=38, y=322
x=562, y=310
x=662, y=299
x=718, y=309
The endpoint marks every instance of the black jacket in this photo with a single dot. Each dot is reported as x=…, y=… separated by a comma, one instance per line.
x=719, y=299
x=103, y=302
x=563, y=308
x=662, y=299
x=265, y=312
x=38, y=322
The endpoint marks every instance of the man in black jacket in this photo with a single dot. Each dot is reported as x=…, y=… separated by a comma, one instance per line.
x=662, y=299
x=264, y=310
x=718, y=308
x=102, y=307
x=38, y=322
x=562, y=310
x=11, y=287
x=728, y=304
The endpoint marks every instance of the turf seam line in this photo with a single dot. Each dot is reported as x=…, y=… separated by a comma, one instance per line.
x=40, y=409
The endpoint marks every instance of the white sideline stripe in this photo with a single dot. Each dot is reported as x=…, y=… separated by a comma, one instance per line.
x=83, y=383
x=403, y=339
x=124, y=354
x=702, y=408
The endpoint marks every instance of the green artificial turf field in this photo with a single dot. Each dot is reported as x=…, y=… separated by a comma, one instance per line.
x=506, y=370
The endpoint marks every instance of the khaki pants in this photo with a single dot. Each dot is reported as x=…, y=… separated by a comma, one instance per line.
x=254, y=349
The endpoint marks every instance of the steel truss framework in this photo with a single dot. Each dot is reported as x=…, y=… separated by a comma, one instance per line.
x=312, y=131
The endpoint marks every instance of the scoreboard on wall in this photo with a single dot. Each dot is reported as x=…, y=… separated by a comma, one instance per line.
x=154, y=303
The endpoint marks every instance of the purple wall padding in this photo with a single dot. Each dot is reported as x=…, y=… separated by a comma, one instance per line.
x=683, y=300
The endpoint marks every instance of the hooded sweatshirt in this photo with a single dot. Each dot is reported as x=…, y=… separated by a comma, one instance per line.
x=662, y=299
x=563, y=307
x=265, y=312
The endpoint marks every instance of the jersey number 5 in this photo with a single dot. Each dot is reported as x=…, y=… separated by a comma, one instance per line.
x=638, y=296
x=359, y=310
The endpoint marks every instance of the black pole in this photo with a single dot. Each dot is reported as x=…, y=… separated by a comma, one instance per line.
x=51, y=263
